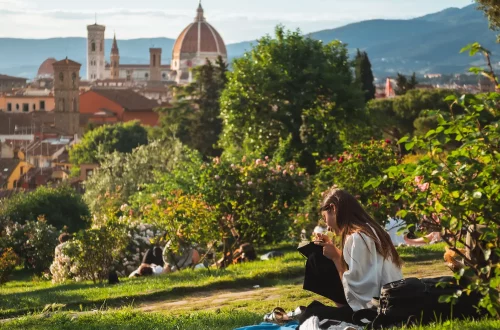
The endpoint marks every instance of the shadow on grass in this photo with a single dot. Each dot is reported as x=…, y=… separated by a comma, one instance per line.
x=40, y=298
x=414, y=254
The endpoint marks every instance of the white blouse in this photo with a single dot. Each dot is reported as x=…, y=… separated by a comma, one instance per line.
x=368, y=271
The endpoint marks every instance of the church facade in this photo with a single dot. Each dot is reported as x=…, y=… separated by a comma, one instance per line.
x=198, y=42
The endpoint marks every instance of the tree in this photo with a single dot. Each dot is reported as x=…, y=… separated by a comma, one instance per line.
x=405, y=114
x=290, y=85
x=364, y=75
x=403, y=84
x=121, y=175
x=121, y=137
x=492, y=11
x=195, y=116
x=60, y=206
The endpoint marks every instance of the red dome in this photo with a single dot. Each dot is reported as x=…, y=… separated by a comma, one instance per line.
x=46, y=69
x=199, y=37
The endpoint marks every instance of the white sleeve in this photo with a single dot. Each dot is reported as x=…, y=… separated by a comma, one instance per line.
x=361, y=281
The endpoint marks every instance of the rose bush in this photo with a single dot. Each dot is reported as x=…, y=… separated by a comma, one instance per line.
x=8, y=262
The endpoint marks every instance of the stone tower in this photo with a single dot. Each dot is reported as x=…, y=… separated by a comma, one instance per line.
x=155, y=64
x=67, y=96
x=115, y=60
x=95, y=52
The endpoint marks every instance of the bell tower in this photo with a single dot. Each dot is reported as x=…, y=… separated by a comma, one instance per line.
x=95, y=52
x=155, y=64
x=67, y=96
x=115, y=60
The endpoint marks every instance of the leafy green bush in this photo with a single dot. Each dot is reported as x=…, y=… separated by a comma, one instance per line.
x=350, y=171
x=61, y=207
x=33, y=242
x=94, y=251
x=458, y=190
x=8, y=262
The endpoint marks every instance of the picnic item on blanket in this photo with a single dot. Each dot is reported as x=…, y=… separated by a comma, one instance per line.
x=417, y=301
x=313, y=323
x=271, y=326
x=279, y=316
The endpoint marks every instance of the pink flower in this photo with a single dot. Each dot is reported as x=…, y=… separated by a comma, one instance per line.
x=250, y=183
x=375, y=204
x=285, y=172
x=388, y=141
x=258, y=162
x=424, y=187
x=419, y=179
x=266, y=158
x=278, y=168
x=158, y=201
x=330, y=159
x=217, y=177
x=292, y=167
x=341, y=160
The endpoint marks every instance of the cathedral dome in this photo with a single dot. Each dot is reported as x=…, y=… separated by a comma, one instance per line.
x=199, y=37
x=46, y=70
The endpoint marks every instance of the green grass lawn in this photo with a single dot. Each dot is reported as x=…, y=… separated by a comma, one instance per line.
x=222, y=299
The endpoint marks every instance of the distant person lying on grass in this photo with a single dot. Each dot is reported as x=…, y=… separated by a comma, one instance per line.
x=152, y=263
x=186, y=257
x=354, y=273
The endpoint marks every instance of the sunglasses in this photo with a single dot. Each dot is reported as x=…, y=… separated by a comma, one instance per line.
x=327, y=207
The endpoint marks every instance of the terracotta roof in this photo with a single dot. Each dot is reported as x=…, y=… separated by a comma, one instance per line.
x=128, y=99
x=6, y=77
x=7, y=166
x=46, y=69
x=200, y=37
x=65, y=62
x=30, y=123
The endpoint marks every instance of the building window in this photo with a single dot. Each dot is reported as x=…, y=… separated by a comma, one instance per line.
x=89, y=173
x=34, y=106
x=93, y=46
x=164, y=75
x=15, y=183
x=21, y=169
x=9, y=106
x=26, y=107
x=154, y=59
x=146, y=75
x=102, y=45
x=42, y=105
x=17, y=106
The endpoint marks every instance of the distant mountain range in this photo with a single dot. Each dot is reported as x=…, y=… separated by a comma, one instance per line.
x=428, y=44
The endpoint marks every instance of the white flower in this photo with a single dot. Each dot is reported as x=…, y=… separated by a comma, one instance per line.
x=124, y=207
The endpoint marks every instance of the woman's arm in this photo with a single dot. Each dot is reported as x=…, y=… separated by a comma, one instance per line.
x=334, y=254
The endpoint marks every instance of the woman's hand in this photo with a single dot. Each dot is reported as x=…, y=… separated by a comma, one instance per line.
x=323, y=238
x=330, y=251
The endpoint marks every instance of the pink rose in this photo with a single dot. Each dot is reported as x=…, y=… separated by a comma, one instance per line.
x=258, y=162
x=424, y=187
x=419, y=179
x=292, y=167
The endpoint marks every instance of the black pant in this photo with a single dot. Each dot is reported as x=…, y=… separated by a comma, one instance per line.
x=153, y=256
x=322, y=278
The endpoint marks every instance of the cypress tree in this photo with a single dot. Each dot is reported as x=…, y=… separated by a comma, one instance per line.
x=364, y=75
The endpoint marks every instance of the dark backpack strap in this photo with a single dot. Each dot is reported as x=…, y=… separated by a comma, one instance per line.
x=365, y=314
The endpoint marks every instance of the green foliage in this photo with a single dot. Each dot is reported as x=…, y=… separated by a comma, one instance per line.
x=405, y=114
x=289, y=85
x=122, y=174
x=460, y=188
x=195, y=117
x=257, y=197
x=8, y=262
x=364, y=75
x=61, y=206
x=93, y=251
x=350, y=171
x=120, y=137
x=492, y=10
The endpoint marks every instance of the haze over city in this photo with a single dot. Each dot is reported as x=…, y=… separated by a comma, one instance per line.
x=236, y=20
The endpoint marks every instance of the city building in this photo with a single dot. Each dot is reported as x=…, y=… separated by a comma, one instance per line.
x=8, y=83
x=107, y=106
x=198, y=43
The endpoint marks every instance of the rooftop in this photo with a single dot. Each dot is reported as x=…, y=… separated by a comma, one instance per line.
x=128, y=99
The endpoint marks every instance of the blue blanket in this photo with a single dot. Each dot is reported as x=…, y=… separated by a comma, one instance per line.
x=271, y=326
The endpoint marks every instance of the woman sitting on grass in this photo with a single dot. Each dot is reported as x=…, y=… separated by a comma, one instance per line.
x=354, y=273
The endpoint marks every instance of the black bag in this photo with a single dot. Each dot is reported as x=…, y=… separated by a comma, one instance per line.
x=416, y=301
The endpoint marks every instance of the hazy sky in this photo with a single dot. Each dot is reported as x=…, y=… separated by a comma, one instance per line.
x=236, y=20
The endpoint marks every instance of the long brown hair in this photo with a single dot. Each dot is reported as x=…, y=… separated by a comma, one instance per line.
x=351, y=218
